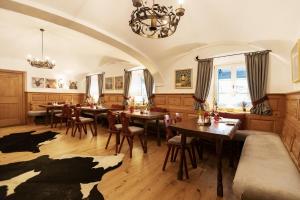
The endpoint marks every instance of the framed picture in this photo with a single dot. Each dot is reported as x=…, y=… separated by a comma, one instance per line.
x=51, y=83
x=183, y=78
x=295, y=56
x=119, y=83
x=37, y=82
x=73, y=85
x=109, y=83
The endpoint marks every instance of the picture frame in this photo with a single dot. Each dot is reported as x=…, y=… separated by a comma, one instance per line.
x=51, y=83
x=119, y=82
x=184, y=78
x=37, y=82
x=109, y=83
x=73, y=85
x=295, y=60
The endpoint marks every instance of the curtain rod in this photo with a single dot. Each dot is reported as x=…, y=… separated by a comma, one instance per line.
x=235, y=54
x=132, y=70
x=95, y=74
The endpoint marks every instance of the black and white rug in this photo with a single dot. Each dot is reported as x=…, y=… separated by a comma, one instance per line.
x=25, y=142
x=70, y=177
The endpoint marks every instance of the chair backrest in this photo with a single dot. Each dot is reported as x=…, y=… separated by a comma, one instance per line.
x=69, y=112
x=65, y=111
x=77, y=111
x=178, y=117
x=125, y=123
x=158, y=109
x=118, y=107
x=111, y=120
x=168, y=121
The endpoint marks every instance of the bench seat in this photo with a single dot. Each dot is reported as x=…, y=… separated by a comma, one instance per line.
x=266, y=171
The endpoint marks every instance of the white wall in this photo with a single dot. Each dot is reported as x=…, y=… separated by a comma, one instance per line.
x=279, y=80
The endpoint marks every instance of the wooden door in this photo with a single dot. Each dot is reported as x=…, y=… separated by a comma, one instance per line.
x=12, y=109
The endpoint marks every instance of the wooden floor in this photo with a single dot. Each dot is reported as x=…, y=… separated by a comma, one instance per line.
x=138, y=178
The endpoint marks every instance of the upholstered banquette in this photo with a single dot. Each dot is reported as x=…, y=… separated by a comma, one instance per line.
x=269, y=166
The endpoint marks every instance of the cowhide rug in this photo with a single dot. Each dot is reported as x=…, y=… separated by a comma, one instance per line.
x=68, y=178
x=26, y=141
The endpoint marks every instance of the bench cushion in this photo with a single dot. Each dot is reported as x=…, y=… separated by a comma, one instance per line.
x=241, y=135
x=266, y=171
x=35, y=113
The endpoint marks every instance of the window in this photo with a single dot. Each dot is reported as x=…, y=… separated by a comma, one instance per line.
x=232, y=87
x=137, y=87
x=94, y=91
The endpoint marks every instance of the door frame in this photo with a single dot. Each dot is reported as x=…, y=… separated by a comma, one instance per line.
x=23, y=103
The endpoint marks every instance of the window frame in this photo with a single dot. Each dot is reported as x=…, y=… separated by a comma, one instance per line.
x=233, y=68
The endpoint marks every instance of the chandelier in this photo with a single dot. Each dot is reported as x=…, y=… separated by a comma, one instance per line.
x=44, y=63
x=155, y=22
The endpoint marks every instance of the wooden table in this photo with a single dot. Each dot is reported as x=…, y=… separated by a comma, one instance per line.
x=95, y=112
x=218, y=131
x=145, y=117
x=51, y=108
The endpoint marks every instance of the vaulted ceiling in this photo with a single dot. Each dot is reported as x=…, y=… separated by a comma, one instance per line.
x=206, y=23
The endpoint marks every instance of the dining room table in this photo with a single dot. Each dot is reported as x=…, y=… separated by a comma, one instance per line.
x=217, y=131
x=145, y=117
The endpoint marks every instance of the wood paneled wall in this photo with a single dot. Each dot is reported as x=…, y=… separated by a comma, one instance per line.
x=183, y=104
x=291, y=129
x=34, y=99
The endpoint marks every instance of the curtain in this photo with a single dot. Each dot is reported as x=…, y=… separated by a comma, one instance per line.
x=204, y=76
x=88, y=81
x=257, y=71
x=149, y=83
x=100, y=86
x=127, y=79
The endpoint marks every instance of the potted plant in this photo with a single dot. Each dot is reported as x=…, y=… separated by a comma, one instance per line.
x=244, y=105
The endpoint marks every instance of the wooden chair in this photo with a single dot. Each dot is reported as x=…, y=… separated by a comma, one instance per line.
x=60, y=117
x=80, y=123
x=174, y=145
x=69, y=119
x=113, y=128
x=129, y=132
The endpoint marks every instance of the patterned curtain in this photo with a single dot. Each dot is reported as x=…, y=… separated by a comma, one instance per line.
x=204, y=76
x=100, y=86
x=88, y=81
x=127, y=79
x=257, y=71
x=149, y=83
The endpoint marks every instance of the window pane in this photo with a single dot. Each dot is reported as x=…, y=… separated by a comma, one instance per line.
x=137, y=87
x=224, y=74
x=94, y=88
x=241, y=72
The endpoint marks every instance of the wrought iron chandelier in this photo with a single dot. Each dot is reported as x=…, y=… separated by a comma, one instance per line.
x=44, y=63
x=156, y=21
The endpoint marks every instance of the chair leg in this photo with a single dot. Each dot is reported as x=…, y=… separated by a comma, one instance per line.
x=172, y=153
x=122, y=141
x=141, y=141
x=68, y=127
x=75, y=130
x=199, y=148
x=108, y=140
x=84, y=128
x=194, y=154
x=91, y=128
x=80, y=130
x=176, y=153
x=130, y=145
x=191, y=158
x=167, y=157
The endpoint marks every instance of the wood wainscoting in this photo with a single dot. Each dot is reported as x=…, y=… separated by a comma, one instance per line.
x=291, y=128
x=184, y=104
x=12, y=106
x=34, y=99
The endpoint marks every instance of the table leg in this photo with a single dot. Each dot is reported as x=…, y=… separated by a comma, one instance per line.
x=145, y=136
x=180, y=170
x=117, y=141
x=95, y=124
x=219, y=149
x=158, y=133
x=52, y=116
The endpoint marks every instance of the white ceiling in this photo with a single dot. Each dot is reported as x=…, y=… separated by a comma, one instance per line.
x=206, y=22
